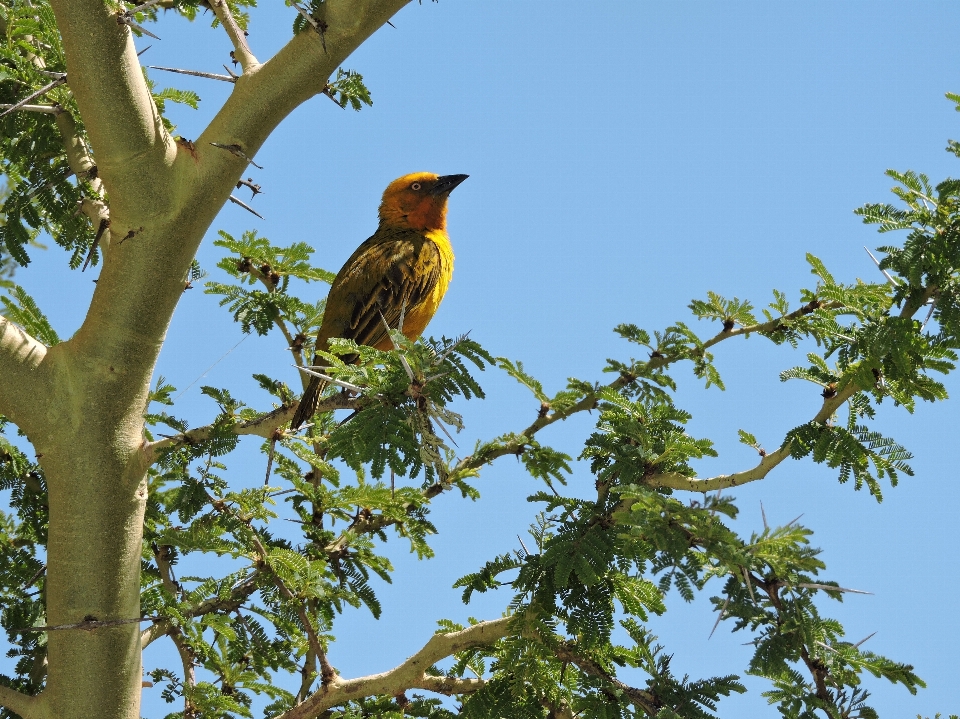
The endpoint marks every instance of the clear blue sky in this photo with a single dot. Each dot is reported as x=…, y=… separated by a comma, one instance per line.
x=624, y=158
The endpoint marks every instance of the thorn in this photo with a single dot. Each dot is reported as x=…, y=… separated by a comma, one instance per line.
x=46, y=88
x=403, y=360
x=863, y=640
x=348, y=418
x=831, y=588
x=719, y=617
x=144, y=50
x=245, y=206
x=886, y=274
x=929, y=315
x=327, y=378
x=130, y=235
x=124, y=20
x=238, y=151
x=525, y=550
x=273, y=446
x=254, y=188
x=746, y=577
x=794, y=520
x=406, y=366
x=196, y=73
x=764, y=515
x=326, y=92
x=446, y=432
x=452, y=347
x=104, y=224
x=231, y=73
x=391, y=25
x=320, y=27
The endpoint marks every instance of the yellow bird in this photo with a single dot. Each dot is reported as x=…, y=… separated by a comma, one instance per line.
x=403, y=269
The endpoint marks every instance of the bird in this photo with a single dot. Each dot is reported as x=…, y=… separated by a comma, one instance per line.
x=402, y=270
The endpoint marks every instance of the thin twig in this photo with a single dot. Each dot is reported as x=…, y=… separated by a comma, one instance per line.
x=54, y=109
x=237, y=36
x=306, y=16
x=43, y=568
x=320, y=27
x=88, y=625
x=141, y=8
x=327, y=672
x=45, y=89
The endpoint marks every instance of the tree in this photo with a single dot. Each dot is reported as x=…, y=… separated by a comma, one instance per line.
x=106, y=512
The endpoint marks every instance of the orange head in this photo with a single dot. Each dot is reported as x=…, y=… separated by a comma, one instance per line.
x=418, y=201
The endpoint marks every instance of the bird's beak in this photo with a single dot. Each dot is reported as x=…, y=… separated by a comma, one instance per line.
x=446, y=184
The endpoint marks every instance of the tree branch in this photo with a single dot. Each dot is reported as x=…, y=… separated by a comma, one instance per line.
x=83, y=165
x=132, y=147
x=165, y=195
x=265, y=94
x=238, y=595
x=241, y=50
x=263, y=426
x=327, y=672
x=22, y=386
x=474, y=462
x=674, y=480
x=28, y=707
x=449, y=685
x=642, y=699
x=47, y=109
x=408, y=675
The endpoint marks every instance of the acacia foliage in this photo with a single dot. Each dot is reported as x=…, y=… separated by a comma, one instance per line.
x=593, y=571
x=582, y=589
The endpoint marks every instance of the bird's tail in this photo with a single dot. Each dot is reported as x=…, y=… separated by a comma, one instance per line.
x=308, y=403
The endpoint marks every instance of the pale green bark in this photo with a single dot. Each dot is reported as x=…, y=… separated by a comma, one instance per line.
x=82, y=402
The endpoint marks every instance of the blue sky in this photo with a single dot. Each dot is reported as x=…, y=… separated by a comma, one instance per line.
x=624, y=158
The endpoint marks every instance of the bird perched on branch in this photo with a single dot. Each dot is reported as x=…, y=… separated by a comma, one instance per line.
x=402, y=270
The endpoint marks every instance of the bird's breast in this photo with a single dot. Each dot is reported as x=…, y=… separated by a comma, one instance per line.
x=419, y=315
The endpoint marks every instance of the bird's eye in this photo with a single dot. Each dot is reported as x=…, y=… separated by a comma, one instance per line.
x=415, y=186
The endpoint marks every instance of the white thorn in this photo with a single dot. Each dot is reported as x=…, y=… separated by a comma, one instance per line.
x=331, y=380
x=831, y=588
x=886, y=274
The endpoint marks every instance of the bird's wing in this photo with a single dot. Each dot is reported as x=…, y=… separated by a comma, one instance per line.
x=386, y=276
